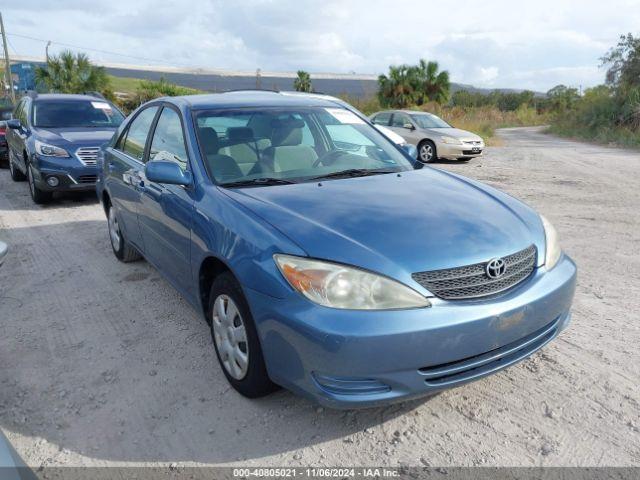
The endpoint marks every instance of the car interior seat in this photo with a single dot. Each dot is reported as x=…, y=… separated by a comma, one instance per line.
x=286, y=151
x=242, y=146
x=222, y=167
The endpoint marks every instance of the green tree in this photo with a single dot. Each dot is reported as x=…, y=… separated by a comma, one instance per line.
x=624, y=63
x=398, y=89
x=562, y=97
x=431, y=85
x=302, y=83
x=72, y=73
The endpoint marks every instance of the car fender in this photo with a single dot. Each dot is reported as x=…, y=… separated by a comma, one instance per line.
x=240, y=239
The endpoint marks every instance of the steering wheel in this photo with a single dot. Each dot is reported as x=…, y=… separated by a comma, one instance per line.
x=332, y=156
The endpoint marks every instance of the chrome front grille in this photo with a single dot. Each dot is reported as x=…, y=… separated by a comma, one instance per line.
x=472, y=142
x=88, y=155
x=472, y=281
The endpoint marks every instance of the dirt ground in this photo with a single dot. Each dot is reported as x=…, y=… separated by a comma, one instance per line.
x=103, y=363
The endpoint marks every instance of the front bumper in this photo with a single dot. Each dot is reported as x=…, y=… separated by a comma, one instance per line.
x=350, y=359
x=70, y=173
x=453, y=152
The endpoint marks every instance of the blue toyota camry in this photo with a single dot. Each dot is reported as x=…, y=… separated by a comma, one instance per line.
x=325, y=259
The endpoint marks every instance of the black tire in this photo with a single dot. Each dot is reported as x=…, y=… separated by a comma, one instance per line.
x=16, y=175
x=122, y=249
x=38, y=196
x=424, y=147
x=256, y=382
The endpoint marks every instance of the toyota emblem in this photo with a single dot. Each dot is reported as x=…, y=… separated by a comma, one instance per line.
x=495, y=268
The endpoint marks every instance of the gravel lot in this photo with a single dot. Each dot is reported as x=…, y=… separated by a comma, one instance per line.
x=103, y=363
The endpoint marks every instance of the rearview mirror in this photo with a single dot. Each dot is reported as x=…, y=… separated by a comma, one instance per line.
x=162, y=171
x=14, y=124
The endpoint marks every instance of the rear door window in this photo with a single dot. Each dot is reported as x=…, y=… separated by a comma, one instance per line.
x=382, y=118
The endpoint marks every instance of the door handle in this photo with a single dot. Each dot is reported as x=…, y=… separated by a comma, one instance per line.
x=140, y=186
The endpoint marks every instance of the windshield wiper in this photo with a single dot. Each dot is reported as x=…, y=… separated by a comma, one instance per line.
x=258, y=182
x=353, y=172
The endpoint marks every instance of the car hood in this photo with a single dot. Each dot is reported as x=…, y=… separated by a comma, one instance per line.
x=75, y=136
x=454, y=132
x=397, y=224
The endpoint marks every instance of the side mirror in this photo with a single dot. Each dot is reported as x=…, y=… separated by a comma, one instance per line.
x=408, y=126
x=163, y=171
x=410, y=150
x=14, y=124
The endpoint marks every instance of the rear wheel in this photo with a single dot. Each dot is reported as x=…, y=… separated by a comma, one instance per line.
x=121, y=248
x=38, y=196
x=236, y=339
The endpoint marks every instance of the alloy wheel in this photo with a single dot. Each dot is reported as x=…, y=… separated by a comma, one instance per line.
x=426, y=152
x=230, y=336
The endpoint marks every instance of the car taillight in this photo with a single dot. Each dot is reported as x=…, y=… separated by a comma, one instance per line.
x=2, y=130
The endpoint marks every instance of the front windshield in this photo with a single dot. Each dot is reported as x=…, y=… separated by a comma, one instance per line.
x=75, y=113
x=428, y=120
x=289, y=145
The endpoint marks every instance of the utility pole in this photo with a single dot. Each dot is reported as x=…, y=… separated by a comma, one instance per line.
x=46, y=51
x=7, y=63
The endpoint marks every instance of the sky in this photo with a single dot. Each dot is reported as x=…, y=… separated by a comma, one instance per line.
x=493, y=44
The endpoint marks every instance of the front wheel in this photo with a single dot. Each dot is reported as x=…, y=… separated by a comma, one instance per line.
x=236, y=339
x=427, y=151
x=121, y=248
x=38, y=196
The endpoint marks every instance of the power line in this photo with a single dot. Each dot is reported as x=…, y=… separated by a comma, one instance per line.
x=69, y=45
x=12, y=47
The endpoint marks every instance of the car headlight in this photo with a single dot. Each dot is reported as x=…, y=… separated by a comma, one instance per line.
x=338, y=286
x=451, y=141
x=552, y=244
x=50, y=150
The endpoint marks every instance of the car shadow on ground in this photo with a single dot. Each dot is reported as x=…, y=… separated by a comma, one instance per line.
x=106, y=360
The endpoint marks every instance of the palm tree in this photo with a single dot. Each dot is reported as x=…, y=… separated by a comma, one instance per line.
x=431, y=85
x=303, y=82
x=72, y=73
x=398, y=90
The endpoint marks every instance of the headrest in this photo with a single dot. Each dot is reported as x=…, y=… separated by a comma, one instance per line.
x=209, y=139
x=286, y=132
x=287, y=123
x=240, y=134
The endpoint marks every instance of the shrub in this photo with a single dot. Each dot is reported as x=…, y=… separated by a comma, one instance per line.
x=148, y=90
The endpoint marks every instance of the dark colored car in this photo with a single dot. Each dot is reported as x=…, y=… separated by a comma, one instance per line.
x=5, y=114
x=54, y=141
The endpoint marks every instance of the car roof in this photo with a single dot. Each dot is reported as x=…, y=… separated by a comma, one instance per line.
x=411, y=112
x=67, y=97
x=255, y=98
